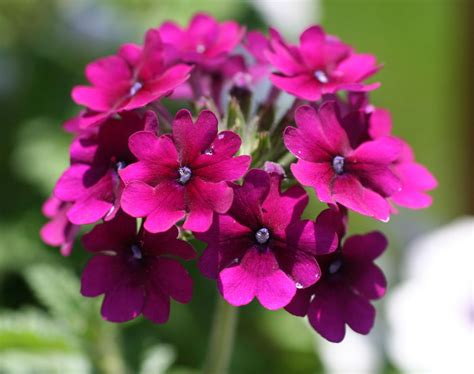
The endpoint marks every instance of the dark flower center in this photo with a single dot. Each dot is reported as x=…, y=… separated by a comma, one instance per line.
x=321, y=76
x=335, y=266
x=136, y=252
x=185, y=175
x=137, y=86
x=262, y=236
x=338, y=165
x=119, y=165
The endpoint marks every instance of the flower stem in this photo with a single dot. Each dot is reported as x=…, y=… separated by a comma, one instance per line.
x=222, y=339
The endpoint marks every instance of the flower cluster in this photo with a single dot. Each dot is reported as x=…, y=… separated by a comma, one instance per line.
x=220, y=170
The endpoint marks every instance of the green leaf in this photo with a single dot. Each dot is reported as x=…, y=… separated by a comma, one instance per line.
x=26, y=363
x=33, y=331
x=59, y=290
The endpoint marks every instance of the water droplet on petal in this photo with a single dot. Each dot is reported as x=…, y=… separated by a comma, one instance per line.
x=299, y=285
x=220, y=136
x=209, y=152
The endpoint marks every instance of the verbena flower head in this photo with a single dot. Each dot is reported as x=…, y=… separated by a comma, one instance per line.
x=320, y=64
x=59, y=231
x=185, y=174
x=361, y=179
x=133, y=78
x=189, y=175
x=350, y=280
x=204, y=41
x=261, y=248
x=92, y=184
x=135, y=271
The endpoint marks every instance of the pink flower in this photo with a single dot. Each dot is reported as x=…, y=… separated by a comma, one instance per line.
x=359, y=178
x=59, y=231
x=321, y=64
x=133, y=78
x=205, y=42
x=92, y=184
x=186, y=173
x=350, y=279
x=134, y=271
x=363, y=122
x=261, y=248
x=415, y=178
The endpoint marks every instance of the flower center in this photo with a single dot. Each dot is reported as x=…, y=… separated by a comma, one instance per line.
x=262, y=236
x=321, y=76
x=119, y=165
x=185, y=174
x=200, y=48
x=136, y=252
x=338, y=165
x=137, y=86
x=335, y=266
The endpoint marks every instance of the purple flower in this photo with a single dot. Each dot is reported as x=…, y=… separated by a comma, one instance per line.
x=359, y=178
x=185, y=173
x=205, y=42
x=350, y=279
x=131, y=79
x=59, y=231
x=92, y=183
x=261, y=248
x=321, y=64
x=134, y=271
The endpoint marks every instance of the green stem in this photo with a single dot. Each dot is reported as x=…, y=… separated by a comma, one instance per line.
x=222, y=339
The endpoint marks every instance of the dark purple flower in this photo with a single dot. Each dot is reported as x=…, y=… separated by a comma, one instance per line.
x=59, y=231
x=350, y=280
x=134, y=270
x=321, y=64
x=205, y=42
x=360, y=178
x=185, y=173
x=261, y=248
x=92, y=183
x=131, y=79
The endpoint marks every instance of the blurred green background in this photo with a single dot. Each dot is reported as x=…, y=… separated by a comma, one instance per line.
x=46, y=326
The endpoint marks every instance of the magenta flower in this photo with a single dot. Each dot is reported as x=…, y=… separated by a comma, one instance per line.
x=359, y=178
x=186, y=173
x=92, y=183
x=133, y=78
x=415, y=178
x=321, y=64
x=59, y=231
x=134, y=271
x=342, y=296
x=205, y=42
x=261, y=248
x=416, y=181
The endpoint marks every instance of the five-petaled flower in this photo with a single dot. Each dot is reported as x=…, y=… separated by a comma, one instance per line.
x=261, y=248
x=321, y=64
x=205, y=42
x=133, y=78
x=361, y=179
x=92, y=183
x=350, y=279
x=135, y=271
x=185, y=173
